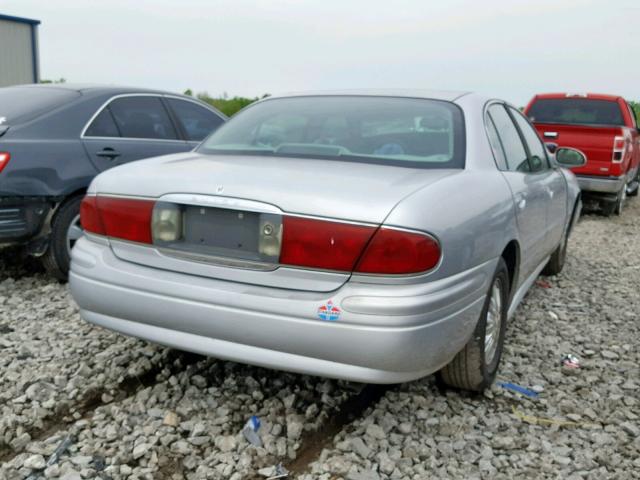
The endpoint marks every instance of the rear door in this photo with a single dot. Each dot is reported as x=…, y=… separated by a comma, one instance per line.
x=551, y=179
x=131, y=127
x=529, y=195
x=195, y=120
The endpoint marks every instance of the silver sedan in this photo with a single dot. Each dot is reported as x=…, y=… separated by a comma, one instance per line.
x=369, y=236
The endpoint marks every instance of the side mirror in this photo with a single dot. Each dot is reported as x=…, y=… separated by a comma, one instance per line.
x=570, y=157
x=552, y=147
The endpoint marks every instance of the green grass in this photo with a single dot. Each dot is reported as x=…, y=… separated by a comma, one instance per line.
x=228, y=106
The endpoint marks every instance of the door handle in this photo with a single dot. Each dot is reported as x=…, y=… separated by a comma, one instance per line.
x=522, y=202
x=550, y=134
x=109, y=153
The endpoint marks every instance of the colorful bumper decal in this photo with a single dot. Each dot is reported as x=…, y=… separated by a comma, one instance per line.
x=329, y=312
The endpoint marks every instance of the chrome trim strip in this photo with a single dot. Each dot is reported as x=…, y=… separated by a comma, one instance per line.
x=215, y=260
x=215, y=201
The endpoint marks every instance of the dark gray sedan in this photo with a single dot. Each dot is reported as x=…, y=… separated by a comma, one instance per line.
x=55, y=138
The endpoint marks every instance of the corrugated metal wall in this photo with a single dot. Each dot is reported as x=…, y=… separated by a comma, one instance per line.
x=16, y=53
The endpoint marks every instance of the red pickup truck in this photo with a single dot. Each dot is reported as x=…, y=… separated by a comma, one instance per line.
x=604, y=128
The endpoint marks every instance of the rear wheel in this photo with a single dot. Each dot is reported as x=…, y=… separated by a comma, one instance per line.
x=65, y=231
x=475, y=366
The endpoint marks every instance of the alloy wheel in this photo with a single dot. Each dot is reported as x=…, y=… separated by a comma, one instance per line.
x=494, y=322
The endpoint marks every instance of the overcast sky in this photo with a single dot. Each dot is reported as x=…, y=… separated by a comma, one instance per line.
x=509, y=49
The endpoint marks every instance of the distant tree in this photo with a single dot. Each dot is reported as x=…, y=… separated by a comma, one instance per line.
x=60, y=80
x=189, y=92
x=228, y=106
x=635, y=106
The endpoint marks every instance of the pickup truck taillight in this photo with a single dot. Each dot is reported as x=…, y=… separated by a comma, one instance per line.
x=4, y=159
x=619, y=149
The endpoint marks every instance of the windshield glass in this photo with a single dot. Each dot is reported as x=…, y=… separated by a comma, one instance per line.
x=21, y=104
x=387, y=130
x=582, y=111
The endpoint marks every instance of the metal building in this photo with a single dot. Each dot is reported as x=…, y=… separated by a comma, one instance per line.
x=19, y=61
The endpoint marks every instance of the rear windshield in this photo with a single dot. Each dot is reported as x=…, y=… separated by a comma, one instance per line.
x=21, y=104
x=384, y=130
x=583, y=111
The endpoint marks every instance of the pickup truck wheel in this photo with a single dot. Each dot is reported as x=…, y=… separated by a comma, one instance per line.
x=622, y=197
x=65, y=230
x=474, y=367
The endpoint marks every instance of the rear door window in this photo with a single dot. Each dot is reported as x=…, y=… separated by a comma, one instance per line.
x=514, y=150
x=142, y=117
x=537, y=151
x=582, y=111
x=197, y=121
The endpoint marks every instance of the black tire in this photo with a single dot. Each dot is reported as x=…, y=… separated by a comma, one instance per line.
x=470, y=370
x=608, y=208
x=56, y=259
x=634, y=193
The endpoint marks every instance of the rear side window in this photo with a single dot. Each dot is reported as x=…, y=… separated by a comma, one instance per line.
x=197, y=122
x=512, y=146
x=142, y=117
x=582, y=111
x=103, y=126
x=22, y=104
x=537, y=150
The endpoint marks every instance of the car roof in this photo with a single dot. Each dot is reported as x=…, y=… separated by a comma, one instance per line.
x=394, y=92
x=91, y=88
x=593, y=96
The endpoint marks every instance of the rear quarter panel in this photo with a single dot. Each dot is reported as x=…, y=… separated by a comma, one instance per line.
x=47, y=156
x=471, y=214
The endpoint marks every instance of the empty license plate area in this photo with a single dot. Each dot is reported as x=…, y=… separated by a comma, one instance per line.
x=218, y=232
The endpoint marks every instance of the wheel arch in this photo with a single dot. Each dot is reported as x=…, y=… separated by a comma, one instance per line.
x=511, y=256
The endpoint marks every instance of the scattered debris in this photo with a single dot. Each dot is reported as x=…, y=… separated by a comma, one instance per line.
x=280, y=472
x=554, y=316
x=543, y=284
x=55, y=456
x=570, y=361
x=250, y=431
x=548, y=421
x=517, y=388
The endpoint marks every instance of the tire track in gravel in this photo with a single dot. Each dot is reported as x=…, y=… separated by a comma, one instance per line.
x=354, y=408
x=92, y=399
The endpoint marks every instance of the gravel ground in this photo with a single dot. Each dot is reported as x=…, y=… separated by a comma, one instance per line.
x=131, y=410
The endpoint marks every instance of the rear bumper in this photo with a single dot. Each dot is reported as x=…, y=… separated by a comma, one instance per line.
x=417, y=328
x=590, y=183
x=21, y=219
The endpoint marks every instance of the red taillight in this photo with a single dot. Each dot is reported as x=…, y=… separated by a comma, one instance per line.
x=126, y=218
x=619, y=149
x=397, y=252
x=4, y=159
x=356, y=248
x=89, y=215
x=322, y=244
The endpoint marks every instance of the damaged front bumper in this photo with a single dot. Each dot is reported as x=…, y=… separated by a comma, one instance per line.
x=23, y=219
